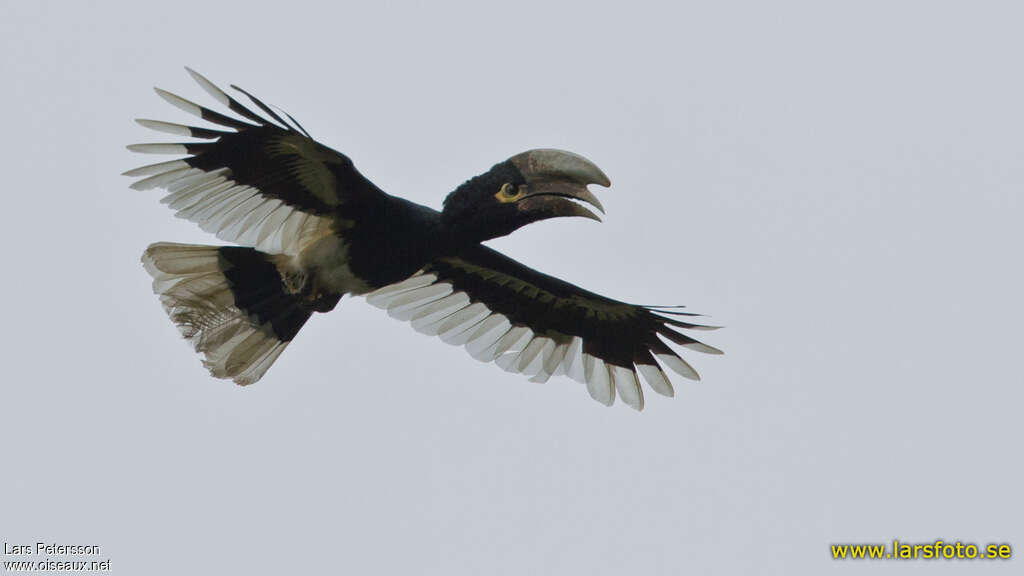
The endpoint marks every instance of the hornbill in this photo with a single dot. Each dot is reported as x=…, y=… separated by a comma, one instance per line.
x=312, y=229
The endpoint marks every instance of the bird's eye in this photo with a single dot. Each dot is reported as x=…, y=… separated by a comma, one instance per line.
x=509, y=192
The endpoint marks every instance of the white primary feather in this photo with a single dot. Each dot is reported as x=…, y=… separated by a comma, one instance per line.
x=209, y=87
x=158, y=148
x=180, y=103
x=156, y=168
x=165, y=127
x=702, y=347
x=656, y=379
x=680, y=366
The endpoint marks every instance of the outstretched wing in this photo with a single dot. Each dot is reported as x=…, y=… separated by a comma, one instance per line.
x=262, y=183
x=529, y=322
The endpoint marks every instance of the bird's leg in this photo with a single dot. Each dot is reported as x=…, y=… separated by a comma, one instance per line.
x=295, y=281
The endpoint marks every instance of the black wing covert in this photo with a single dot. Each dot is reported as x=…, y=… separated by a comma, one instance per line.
x=532, y=323
x=262, y=184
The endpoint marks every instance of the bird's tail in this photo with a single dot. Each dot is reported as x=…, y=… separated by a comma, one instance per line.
x=233, y=304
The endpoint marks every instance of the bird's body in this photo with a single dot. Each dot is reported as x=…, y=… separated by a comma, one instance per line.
x=387, y=246
x=313, y=229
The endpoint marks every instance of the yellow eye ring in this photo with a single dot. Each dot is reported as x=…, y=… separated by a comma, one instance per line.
x=508, y=193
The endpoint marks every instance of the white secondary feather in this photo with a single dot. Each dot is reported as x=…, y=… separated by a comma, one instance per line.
x=440, y=308
x=187, y=196
x=553, y=362
x=573, y=363
x=598, y=381
x=164, y=178
x=383, y=296
x=486, y=335
x=512, y=342
x=461, y=322
x=532, y=350
x=409, y=301
x=211, y=196
x=627, y=385
x=428, y=323
x=539, y=365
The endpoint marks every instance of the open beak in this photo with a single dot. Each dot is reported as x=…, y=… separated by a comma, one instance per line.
x=556, y=180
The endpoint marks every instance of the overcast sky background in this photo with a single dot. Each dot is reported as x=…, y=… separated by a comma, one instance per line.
x=839, y=185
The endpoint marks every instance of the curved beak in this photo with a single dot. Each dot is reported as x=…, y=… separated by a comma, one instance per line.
x=556, y=179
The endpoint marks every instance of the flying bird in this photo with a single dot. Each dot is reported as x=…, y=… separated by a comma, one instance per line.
x=311, y=228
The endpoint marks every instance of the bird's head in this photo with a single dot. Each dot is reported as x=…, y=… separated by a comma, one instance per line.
x=531, y=186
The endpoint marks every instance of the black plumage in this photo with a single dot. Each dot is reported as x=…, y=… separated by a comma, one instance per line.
x=317, y=229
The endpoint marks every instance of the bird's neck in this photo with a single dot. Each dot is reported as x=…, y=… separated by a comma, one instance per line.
x=467, y=230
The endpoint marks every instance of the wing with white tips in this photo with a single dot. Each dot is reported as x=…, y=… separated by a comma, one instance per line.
x=255, y=181
x=538, y=325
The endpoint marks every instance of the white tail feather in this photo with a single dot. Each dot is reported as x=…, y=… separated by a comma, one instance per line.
x=197, y=297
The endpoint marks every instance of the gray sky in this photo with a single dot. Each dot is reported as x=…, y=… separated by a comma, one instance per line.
x=839, y=185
